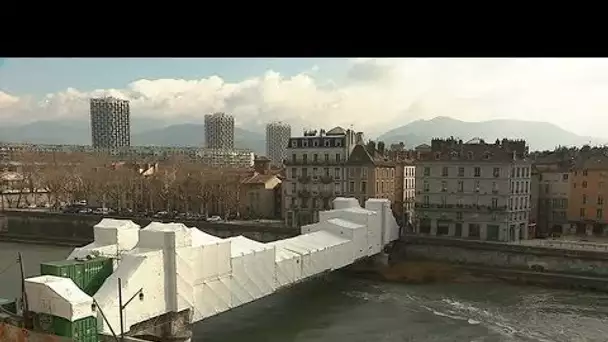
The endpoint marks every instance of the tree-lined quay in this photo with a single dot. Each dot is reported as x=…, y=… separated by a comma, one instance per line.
x=175, y=184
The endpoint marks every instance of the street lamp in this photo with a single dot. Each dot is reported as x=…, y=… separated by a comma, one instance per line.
x=121, y=306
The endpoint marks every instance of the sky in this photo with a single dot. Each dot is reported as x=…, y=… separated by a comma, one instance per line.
x=372, y=95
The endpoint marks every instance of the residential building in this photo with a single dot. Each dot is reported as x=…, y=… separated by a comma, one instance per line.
x=408, y=170
x=553, y=192
x=258, y=193
x=277, y=138
x=587, y=203
x=315, y=172
x=110, y=123
x=219, y=131
x=474, y=190
x=369, y=175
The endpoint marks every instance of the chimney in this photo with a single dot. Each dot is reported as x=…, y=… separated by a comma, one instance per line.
x=261, y=165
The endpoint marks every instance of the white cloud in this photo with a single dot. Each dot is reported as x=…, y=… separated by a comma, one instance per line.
x=375, y=95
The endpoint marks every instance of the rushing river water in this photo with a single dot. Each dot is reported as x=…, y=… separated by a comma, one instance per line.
x=341, y=308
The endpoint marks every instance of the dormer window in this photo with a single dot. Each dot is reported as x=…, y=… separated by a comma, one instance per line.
x=315, y=143
x=470, y=155
x=437, y=155
x=294, y=143
x=453, y=155
x=486, y=155
x=326, y=143
x=304, y=143
x=338, y=143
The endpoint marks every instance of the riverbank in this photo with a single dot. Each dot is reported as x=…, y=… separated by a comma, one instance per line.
x=46, y=240
x=430, y=272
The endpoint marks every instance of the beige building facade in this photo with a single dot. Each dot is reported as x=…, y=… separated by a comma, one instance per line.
x=474, y=190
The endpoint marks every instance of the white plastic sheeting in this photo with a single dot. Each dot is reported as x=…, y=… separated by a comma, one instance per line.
x=288, y=266
x=356, y=233
x=112, y=237
x=138, y=269
x=182, y=268
x=58, y=296
x=252, y=270
x=123, y=233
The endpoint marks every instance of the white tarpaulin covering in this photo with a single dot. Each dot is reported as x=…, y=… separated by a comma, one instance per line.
x=354, y=232
x=184, y=268
x=288, y=266
x=123, y=233
x=58, y=296
x=252, y=270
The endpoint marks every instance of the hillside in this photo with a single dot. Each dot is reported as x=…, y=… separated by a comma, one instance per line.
x=79, y=133
x=539, y=135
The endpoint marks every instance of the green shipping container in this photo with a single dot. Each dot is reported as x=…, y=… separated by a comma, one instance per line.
x=82, y=330
x=88, y=274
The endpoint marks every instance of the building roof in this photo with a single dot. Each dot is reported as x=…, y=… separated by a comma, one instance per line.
x=336, y=131
x=259, y=178
x=361, y=155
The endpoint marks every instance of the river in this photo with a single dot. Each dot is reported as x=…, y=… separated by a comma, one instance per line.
x=342, y=308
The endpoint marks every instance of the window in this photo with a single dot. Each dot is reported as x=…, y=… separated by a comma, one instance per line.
x=461, y=172
x=425, y=186
x=426, y=200
x=470, y=155
x=338, y=143
x=315, y=157
x=294, y=172
x=460, y=186
x=584, y=184
x=444, y=171
x=364, y=187
x=326, y=172
x=486, y=155
x=584, y=172
x=565, y=177
x=315, y=143
x=444, y=186
x=293, y=187
x=304, y=143
x=427, y=171
x=326, y=157
x=599, y=214
x=494, y=202
x=351, y=172
x=582, y=212
x=600, y=200
x=476, y=186
x=315, y=173
x=337, y=173
x=516, y=187
x=496, y=172
x=337, y=187
x=518, y=172
x=304, y=159
x=294, y=143
x=444, y=200
x=437, y=155
x=351, y=187
x=527, y=187
x=294, y=158
x=338, y=157
x=494, y=187
x=477, y=171
x=512, y=172
x=459, y=217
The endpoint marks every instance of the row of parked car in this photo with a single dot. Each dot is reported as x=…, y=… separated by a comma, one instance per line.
x=84, y=209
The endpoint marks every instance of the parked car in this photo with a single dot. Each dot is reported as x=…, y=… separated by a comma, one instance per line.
x=214, y=218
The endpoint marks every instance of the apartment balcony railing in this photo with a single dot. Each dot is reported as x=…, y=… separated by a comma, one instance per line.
x=327, y=179
x=304, y=179
x=304, y=193
x=459, y=207
x=299, y=162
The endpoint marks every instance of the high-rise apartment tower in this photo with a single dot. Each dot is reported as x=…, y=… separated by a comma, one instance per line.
x=277, y=139
x=219, y=131
x=110, y=123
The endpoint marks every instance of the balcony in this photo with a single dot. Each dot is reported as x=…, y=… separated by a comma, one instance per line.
x=304, y=179
x=290, y=162
x=304, y=193
x=327, y=179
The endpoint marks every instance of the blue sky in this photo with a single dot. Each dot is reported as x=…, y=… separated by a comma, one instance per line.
x=38, y=76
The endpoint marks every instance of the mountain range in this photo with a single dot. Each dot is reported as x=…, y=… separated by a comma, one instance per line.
x=539, y=135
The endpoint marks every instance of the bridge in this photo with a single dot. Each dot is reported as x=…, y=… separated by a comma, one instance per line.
x=167, y=275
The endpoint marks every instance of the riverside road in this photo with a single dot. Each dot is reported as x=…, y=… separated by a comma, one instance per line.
x=343, y=308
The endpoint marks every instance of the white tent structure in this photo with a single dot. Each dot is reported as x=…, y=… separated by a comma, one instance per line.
x=181, y=268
